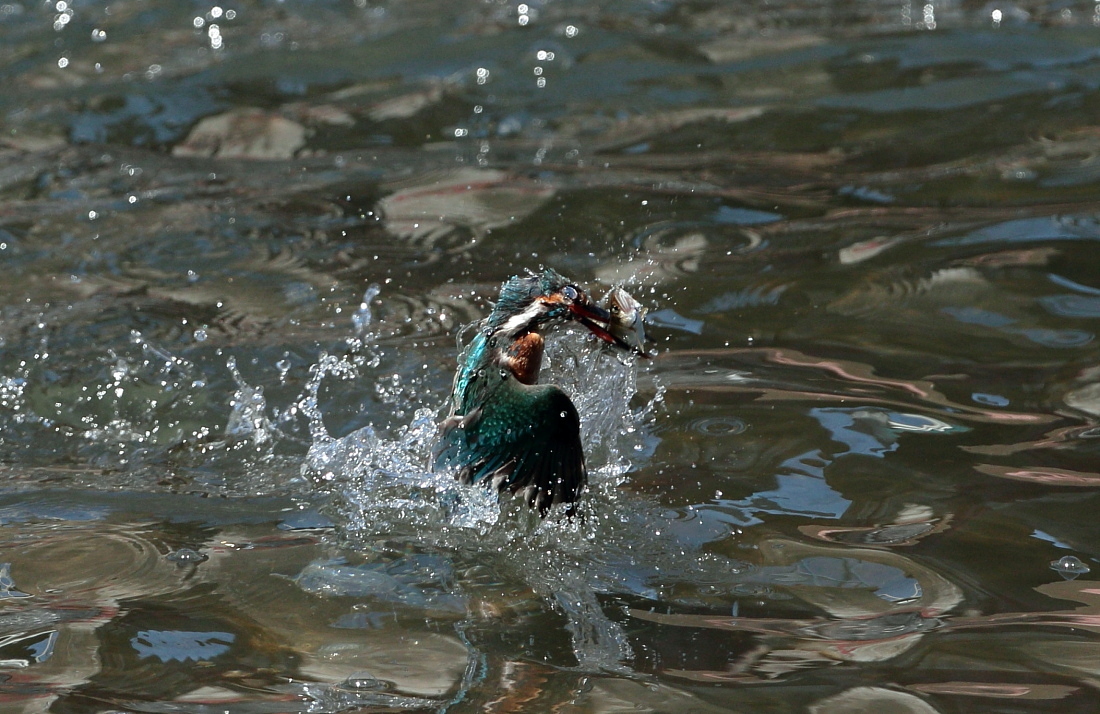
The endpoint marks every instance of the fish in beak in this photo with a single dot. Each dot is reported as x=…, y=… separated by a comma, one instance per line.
x=627, y=325
x=620, y=324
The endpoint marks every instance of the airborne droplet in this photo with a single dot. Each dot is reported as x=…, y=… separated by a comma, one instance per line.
x=1069, y=567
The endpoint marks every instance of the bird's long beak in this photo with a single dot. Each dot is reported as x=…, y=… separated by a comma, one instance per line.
x=594, y=317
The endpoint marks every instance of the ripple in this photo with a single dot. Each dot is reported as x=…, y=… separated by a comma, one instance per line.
x=1047, y=337
x=1072, y=305
x=1042, y=474
x=754, y=296
x=98, y=562
x=1026, y=230
x=993, y=400
x=719, y=426
x=744, y=216
x=671, y=250
x=1057, y=338
x=901, y=421
x=437, y=204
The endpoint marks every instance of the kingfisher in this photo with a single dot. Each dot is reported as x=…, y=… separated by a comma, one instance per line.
x=505, y=430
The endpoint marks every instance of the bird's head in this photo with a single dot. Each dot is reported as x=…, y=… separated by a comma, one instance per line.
x=530, y=303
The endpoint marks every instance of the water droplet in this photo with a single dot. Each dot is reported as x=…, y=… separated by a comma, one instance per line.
x=362, y=317
x=1069, y=567
x=363, y=681
x=186, y=556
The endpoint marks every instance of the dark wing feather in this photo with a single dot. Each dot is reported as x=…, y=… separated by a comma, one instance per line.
x=523, y=439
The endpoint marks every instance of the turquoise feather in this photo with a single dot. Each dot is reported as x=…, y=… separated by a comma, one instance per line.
x=504, y=434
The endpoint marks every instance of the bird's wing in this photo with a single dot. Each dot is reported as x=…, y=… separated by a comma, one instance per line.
x=524, y=439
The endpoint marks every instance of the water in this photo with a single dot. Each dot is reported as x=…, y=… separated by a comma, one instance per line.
x=240, y=245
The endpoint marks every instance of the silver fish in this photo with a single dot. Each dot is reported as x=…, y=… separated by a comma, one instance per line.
x=627, y=324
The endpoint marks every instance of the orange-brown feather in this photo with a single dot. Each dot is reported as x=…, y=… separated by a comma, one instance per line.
x=524, y=357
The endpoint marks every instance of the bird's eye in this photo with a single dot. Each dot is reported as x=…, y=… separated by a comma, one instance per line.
x=569, y=292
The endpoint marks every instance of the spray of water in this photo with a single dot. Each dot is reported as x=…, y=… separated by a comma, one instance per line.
x=385, y=491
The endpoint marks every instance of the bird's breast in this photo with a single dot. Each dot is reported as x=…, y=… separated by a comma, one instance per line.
x=524, y=357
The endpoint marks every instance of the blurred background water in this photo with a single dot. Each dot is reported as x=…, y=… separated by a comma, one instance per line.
x=239, y=240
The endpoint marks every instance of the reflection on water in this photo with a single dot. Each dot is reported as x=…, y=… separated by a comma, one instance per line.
x=241, y=241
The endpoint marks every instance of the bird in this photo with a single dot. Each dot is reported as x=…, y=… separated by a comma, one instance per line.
x=506, y=431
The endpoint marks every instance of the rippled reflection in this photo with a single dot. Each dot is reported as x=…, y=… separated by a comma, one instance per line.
x=239, y=243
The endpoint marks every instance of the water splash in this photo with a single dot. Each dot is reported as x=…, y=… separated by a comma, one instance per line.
x=363, y=318
x=385, y=492
x=603, y=386
x=12, y=396
x=248, y=416
x=384, y=483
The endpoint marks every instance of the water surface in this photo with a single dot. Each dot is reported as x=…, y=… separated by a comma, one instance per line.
x=240, y=242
